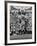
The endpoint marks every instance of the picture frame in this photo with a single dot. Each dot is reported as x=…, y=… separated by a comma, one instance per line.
x=13, y=7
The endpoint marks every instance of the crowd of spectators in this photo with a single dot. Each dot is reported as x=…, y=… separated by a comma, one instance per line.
x=20, y=20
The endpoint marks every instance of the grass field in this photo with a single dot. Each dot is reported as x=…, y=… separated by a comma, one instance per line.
x=24, y=36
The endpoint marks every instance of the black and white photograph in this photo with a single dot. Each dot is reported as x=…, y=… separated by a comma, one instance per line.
x=20, y=22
